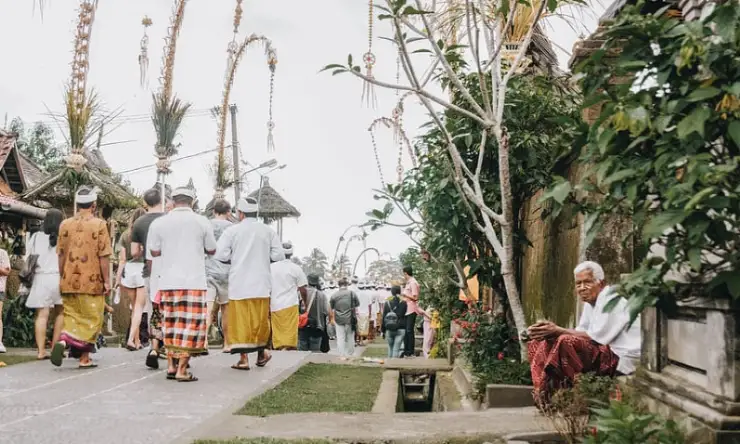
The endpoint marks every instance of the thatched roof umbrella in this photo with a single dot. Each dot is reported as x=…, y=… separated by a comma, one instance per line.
x=272, y=206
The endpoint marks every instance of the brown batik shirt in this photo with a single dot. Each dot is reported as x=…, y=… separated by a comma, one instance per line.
x=83, y=240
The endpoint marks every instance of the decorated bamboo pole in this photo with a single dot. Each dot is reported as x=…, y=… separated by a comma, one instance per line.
x=168, y=111
x=222, y=168
x=80, y=105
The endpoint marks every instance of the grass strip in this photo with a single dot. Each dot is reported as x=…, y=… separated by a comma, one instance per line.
x=316, y=388
x=375, y=352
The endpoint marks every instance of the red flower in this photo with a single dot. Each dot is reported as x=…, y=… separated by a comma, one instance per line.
x=500, y=356
x=594, y=431
x=616, y=395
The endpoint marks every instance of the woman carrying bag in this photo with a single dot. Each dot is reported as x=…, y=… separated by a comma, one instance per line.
x=45, y=297
x=312, y=332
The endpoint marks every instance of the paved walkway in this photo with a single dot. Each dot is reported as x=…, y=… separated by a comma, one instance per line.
x=122, y=401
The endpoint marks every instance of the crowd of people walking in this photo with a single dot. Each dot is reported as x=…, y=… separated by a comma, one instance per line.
x=185, y=274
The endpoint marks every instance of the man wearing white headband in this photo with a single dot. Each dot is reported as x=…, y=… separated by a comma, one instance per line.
x=249, y=246
x=84, y=249
x=180, y=239
x=288, y=281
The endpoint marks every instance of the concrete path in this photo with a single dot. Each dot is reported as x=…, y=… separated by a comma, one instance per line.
x=122, y=401
x=414, y=427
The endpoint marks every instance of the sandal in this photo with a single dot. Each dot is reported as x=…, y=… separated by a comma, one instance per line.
x=264, y=362
x=86, y=366
x=171, y=376
x=239, y=366
x=57, y=354
x=152, y=361
x=132, y=347
x=188, y=378
x=43, y=358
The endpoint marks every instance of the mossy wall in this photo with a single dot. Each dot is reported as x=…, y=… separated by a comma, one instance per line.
x=547, y=266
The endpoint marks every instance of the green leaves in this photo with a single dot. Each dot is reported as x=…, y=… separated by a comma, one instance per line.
x=658, y=224
x=559, y=192
x=731, y=279
x=733, y=130
x=702, y=94
x=694, y=122
x=667, y=156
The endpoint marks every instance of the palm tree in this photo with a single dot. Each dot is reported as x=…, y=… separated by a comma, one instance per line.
x=344, y=265
x=316, y=262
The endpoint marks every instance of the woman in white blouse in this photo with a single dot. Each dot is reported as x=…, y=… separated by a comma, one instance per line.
x=45, y=296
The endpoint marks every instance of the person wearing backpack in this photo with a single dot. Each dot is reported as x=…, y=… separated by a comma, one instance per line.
x=394, y=322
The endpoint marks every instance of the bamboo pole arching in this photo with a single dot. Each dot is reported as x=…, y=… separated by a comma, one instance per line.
x=236, y=52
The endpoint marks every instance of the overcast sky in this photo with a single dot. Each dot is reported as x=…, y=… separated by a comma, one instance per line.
x=321, y=128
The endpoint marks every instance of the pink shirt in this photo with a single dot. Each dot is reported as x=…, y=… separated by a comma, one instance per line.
x=412, y=289
x=4, y=263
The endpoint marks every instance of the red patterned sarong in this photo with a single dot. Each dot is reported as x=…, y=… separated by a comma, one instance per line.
x=557, y=362
x=184, y=325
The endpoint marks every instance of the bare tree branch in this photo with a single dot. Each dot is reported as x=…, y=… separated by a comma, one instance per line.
x=502, y=38
x=420, y=92
x=474, y=32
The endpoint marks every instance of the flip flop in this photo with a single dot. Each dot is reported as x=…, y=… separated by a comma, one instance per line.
x=226, y=351
x=171, y=376
x=44, y=358
x=86, y=366
x=57, y=354
x=152, y=361
x=243, y=367
x=188, y=378
x=132, y=348
x=264, y=363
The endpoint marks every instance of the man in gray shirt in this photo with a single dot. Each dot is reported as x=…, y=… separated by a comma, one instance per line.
x=344, y=303
x=217, y=273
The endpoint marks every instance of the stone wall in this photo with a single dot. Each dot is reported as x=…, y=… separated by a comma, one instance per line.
x=558, y=246
x=547, y=265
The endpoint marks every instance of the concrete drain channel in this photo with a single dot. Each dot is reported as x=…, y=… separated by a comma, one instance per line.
x=416, y=392
x=420, y=390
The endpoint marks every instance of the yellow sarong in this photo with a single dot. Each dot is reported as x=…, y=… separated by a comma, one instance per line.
x=249, y=324
x=285, y=328
x=83, y=320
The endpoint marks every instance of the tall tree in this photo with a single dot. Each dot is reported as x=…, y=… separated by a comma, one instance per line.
x=493, y=41
x=316, y=262
x=38, y=144
x=383, y=271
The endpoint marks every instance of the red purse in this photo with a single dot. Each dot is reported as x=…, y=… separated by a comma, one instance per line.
x=303, y=318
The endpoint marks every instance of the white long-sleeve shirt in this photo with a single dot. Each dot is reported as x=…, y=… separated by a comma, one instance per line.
x=611, y=329
x=250, y=245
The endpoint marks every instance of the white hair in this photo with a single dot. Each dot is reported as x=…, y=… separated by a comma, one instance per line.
x=595, y=268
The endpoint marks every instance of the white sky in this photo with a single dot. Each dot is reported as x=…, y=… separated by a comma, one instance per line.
x=321, y=129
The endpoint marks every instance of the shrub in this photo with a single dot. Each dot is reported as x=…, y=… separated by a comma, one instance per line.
x=623, y=423
x=569, y=409
x=18, y=323
x=491, y=348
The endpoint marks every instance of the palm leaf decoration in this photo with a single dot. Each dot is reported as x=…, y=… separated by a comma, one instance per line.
x=167, y=117
x=80, y=113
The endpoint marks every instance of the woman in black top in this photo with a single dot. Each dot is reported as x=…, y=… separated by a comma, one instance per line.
x=310, y=336
x=394, y=322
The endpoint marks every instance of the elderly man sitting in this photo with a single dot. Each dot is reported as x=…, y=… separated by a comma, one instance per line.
x=601, y=343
